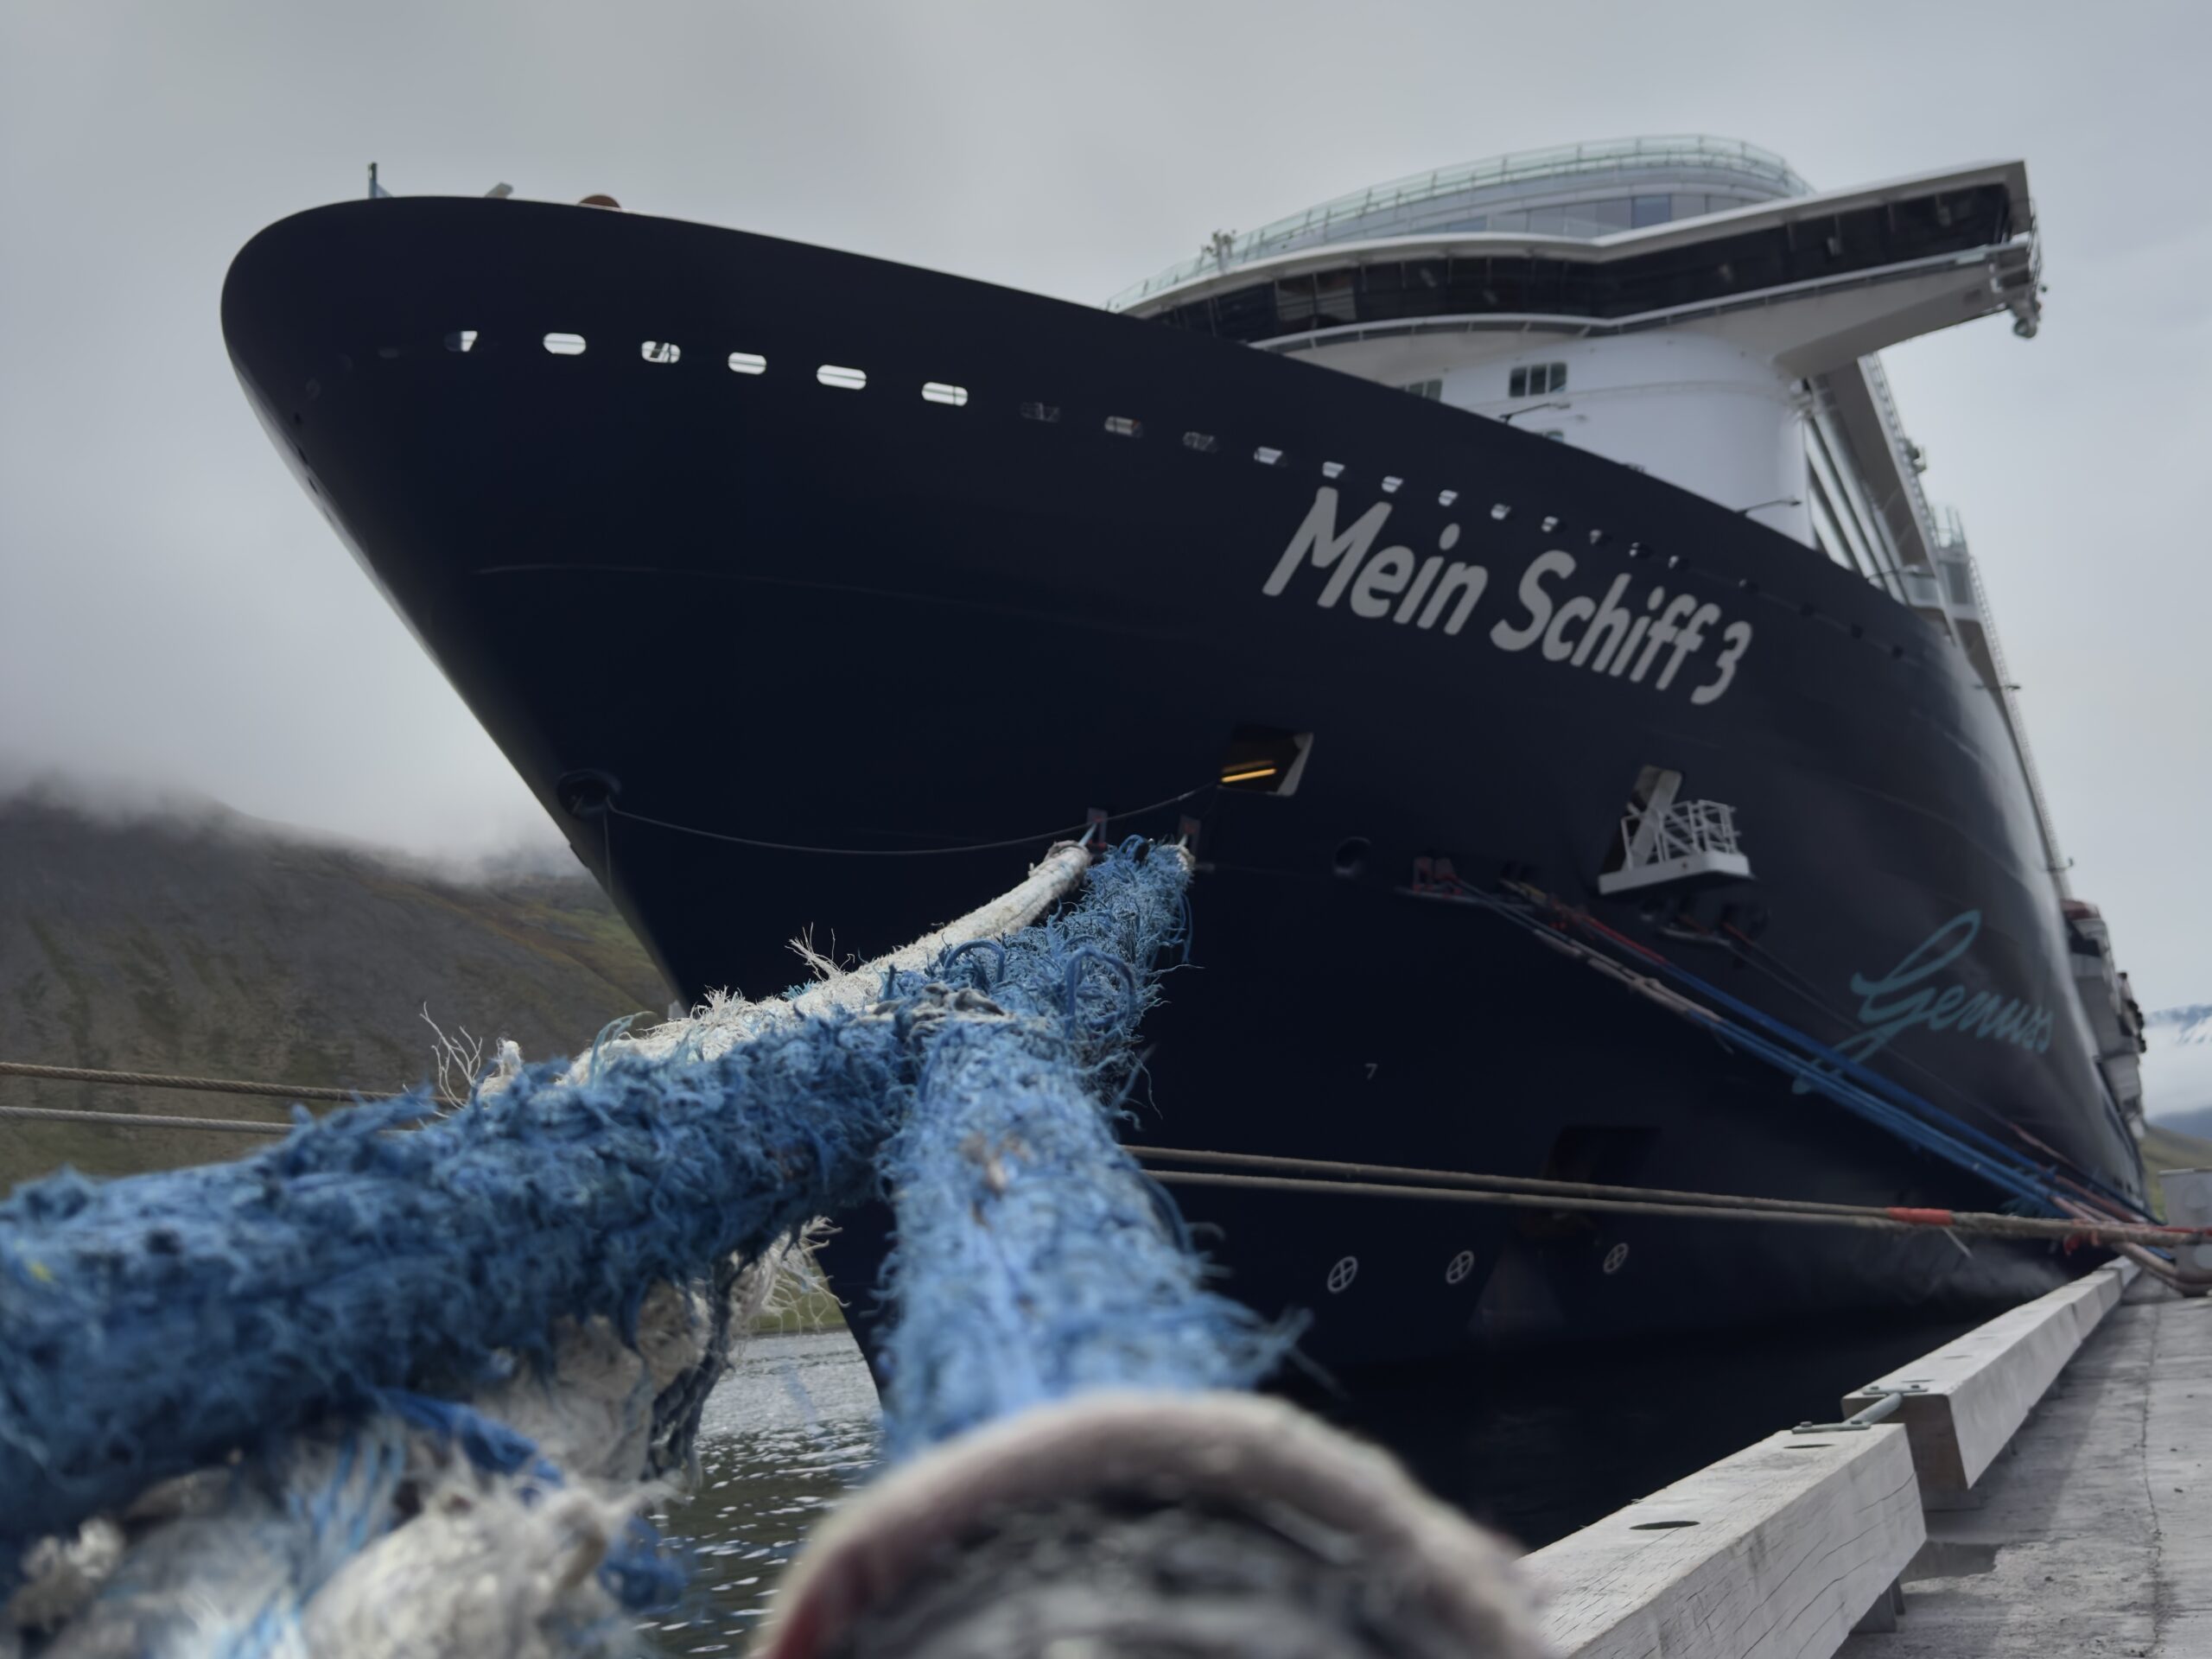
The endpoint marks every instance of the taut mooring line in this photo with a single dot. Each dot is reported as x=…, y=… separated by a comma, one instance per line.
x=202, y=1085
x=1505, y=1193
x=146, y=1121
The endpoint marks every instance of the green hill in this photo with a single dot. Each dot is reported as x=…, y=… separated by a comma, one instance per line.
x=2165, y=1148
x=2193, y=1125
x=209, y=944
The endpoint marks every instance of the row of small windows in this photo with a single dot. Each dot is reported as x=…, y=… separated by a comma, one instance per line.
x=1478, y=280
x=1123, y=426
x=1537, y=380
x=838, y=375
x=1543, y=377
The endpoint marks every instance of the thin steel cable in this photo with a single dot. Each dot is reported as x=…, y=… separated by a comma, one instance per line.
x=1910, y=1109
x=203, y=1085
x=1974, y=1223
x=1398, y=1174
x=1062, y=833
x=1757, y=958
x=145, y=1120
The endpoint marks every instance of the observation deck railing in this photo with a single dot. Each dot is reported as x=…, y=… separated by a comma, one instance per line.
x=1521, y=166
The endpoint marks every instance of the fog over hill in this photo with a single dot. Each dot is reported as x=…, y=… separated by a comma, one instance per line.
x=178, y=936
x=2177, y=1068
x=167, y=933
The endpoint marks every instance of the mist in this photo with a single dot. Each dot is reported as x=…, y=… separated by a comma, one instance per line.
x=174, y=612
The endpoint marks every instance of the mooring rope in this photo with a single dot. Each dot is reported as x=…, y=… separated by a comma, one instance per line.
x=412, y=1382
x=1814, y=1066
x=119, y=1119
x=1042, y=838
x=1412, y=1182
x=203, y=1085
x=1002, y=1179
x=1045, y=886
x=1399, y=1174
x=152, y=1323
x=1713, y=1206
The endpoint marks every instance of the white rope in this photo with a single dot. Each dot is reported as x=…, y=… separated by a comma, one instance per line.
x=724, y=1019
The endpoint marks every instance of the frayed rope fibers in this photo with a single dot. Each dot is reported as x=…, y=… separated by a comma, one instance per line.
x=1034, y=1259
x=150, y=1325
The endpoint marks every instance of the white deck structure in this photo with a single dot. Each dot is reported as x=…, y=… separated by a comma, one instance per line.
x=1686, y=306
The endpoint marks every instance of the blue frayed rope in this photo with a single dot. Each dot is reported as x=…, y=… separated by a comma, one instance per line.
x=152, y=1326
x=1034, y=1260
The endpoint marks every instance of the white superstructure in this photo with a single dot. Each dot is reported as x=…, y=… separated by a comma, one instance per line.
x=1686, y=306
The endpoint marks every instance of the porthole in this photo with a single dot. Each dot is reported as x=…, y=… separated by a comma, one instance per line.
x=944, y=392
x=843, y=378
x=565, y=344
x=747, y=363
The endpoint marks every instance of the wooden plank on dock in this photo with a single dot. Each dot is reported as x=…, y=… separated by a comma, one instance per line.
x=1963, y=1403
x=1773, y=1553
x=2094, y=1536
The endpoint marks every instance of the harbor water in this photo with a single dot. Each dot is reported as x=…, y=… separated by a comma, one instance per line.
x=1535, y=1446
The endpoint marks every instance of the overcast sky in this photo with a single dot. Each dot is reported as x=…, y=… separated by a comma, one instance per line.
x=173, y=611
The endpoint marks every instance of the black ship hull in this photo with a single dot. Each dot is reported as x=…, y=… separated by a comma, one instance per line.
x=809, y=641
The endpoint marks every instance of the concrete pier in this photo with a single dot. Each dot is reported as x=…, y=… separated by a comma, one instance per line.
x=2094, y=1530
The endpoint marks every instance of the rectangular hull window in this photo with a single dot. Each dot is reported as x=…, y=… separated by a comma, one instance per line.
x=1265, y=759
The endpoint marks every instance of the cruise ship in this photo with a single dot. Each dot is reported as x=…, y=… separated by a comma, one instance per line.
x=1521, y=555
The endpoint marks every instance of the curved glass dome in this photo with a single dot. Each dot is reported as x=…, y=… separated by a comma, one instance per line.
x=1580, y=190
